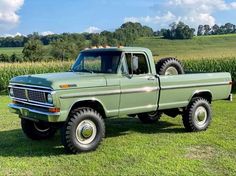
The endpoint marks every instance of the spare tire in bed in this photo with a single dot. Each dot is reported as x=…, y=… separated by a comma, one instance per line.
x=169, y=66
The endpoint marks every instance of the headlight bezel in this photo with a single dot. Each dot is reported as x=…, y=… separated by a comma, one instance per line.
x=49, y=98
x=11, y=92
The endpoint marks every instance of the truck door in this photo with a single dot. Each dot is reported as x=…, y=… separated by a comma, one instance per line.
x=139, y=87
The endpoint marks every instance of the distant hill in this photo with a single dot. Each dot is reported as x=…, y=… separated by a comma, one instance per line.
x=214, y=46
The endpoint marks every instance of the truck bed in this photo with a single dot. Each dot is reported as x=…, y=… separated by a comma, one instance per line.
x=176, y=91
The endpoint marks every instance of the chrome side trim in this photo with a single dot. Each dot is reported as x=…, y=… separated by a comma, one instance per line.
x=103, y=93
x=194, y=85
x=139, y=90
x=113, y=92
x=14, y=106
x=41, y=87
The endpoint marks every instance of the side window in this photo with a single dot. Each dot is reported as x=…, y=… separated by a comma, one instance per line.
x=140, y=65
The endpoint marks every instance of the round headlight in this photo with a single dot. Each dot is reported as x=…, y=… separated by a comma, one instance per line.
x=49, y=98
x=11, y=92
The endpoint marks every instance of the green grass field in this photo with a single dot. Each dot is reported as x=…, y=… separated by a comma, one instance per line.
x=9, y=51
x=219, y=46
x=130, y=148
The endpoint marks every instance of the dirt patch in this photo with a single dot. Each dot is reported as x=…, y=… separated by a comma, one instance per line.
x=200, y=152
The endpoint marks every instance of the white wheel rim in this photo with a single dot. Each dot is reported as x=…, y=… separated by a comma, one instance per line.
x=40, y=129
x=86, y=132
x=171, y=71
x=200, y=116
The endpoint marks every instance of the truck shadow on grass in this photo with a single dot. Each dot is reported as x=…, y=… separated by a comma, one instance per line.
x=14, y=143
x=121, y=126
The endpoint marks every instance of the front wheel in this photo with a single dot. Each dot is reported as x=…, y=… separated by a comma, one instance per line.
x=37, y=130
x=84, y=131
x=197, y=116
x=150, y=117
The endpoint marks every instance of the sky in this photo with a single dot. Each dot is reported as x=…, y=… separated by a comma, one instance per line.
x=22, y=17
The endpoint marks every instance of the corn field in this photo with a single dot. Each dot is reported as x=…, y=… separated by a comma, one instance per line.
x=10, y=70
x=212, y=65
x=7, y=70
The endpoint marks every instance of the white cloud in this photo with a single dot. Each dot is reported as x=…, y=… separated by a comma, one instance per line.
x=45, y=33
x=8, y=13
x=192, y=12
x=12, y=35
x=168, y=17
x=93, y=29
x=233, y=5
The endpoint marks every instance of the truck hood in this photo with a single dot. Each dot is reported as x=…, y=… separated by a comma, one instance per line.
x=54, y=80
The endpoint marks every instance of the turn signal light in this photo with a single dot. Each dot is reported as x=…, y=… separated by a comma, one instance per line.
x=54, y=110
x=66, y=86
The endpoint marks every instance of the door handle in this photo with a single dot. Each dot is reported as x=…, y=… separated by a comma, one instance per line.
x=151, y=78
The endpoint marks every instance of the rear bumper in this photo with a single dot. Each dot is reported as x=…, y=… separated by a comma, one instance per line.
x=33, y=114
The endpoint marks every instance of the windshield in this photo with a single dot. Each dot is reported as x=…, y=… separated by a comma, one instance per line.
x=97, y=62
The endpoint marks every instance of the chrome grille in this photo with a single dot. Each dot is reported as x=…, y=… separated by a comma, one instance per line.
x=19, y=93
x=36, y=96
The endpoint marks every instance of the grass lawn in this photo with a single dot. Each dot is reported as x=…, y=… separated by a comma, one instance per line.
x=130, y=148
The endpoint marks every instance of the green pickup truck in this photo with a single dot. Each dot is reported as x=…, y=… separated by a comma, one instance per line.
x=112, y=82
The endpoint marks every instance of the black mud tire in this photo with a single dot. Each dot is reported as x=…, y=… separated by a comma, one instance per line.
x=169, y=66
x=37, y=130
x=69, y=132
x=149, y=118
x=198, y=108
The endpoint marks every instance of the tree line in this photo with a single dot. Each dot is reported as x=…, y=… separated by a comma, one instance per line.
x=67, y=45
x=124, y=35
x=227, y=28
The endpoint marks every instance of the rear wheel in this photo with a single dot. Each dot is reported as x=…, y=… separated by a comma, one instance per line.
x=84, y=131
x=169, y=66
x=37, y=130
x=197, y=116
x=150, y=117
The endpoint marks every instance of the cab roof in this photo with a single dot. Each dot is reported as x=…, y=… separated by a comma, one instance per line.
x=122, y=49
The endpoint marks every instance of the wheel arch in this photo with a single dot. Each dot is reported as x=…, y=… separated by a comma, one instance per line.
x=91, y=103
x=207, y=94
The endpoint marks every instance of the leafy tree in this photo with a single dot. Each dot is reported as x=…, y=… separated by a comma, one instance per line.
x=215, y=29
x=4, y=58
x=179, y=31
x=229, y=28
x=200, y=30
x=207, y=29
x=97, y=40
x=15, y=58
x=63, y=49
x=33, y=50
x=110, y=38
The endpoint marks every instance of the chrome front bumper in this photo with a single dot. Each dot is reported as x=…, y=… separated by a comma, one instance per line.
x=32, y=114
